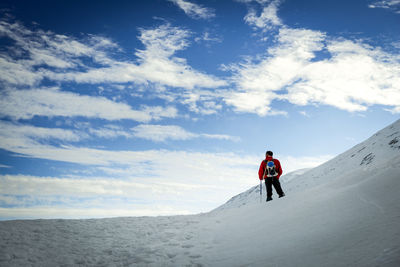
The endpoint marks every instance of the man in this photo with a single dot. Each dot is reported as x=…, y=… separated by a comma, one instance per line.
x=271, y=170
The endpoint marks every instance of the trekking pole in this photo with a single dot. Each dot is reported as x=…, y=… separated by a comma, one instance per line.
x=261, y=183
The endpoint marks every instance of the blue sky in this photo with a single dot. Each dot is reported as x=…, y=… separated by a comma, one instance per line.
x=131, y=108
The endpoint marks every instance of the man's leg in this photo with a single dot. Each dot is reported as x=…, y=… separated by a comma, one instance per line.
x=277, y=186
x=268, y=185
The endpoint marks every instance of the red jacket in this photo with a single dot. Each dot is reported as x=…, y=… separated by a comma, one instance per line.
x=264, y=162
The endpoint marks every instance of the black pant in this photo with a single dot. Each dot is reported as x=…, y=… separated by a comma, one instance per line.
x=269, y=181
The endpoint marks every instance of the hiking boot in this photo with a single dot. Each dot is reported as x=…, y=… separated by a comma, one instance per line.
x=282, y=195
x=269, y=199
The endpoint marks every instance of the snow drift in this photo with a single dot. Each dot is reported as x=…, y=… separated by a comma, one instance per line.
x=345, y=212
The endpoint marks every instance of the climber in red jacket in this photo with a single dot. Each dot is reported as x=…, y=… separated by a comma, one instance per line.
x=271, y=170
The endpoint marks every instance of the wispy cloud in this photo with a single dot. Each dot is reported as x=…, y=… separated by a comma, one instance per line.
x=89, y=187
x=193, y=10
x=305, y=114
x=159, y=163
x=34, y=51
x=51, y=102
x=4, y=166
x=109, y=131
x=268, y=18
x=393, y=5
x=59, y=144
x=160, y=133
x=12, y=134
x=62, y=145
x=208, y=37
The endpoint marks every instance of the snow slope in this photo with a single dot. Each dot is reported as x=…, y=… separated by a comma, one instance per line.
x=364, y=159
x=345, y=212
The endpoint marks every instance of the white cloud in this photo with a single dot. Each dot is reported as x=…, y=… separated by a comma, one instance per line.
x=194, y=11
x=268, y=17
x=109, y=132
x=259, y=82
x=393, y=5
x=157, y=133
x=161, y=133
x=221, y=137
x=45, y=49
x=18, y=134
x=253, y=102
x=305, y=114
x=351, y=77
x=18, y=73
x=157, y=62
x=355, y=77
x=50, y=102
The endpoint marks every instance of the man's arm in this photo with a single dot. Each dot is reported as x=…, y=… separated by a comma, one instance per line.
x=261, y=170
x=279, y=169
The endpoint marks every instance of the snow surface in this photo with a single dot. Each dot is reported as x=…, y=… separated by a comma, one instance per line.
x=345, y=212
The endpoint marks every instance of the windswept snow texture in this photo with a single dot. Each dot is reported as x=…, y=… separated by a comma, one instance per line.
x=345, y=212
